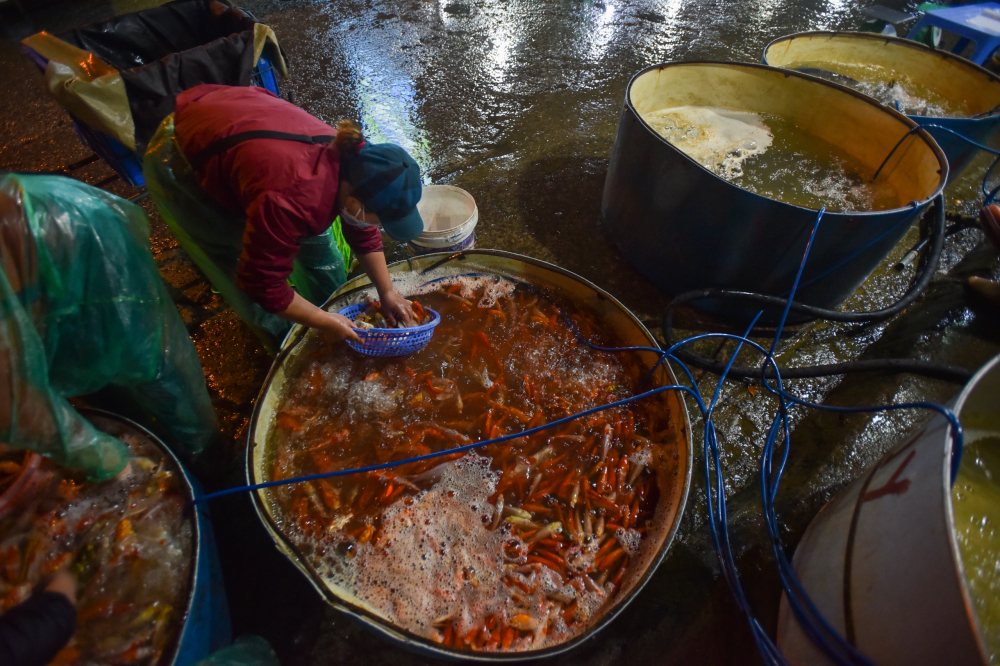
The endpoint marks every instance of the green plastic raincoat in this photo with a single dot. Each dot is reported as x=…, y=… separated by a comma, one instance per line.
x=82, y=308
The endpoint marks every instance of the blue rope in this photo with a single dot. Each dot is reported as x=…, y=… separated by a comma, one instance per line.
x=438, y=454
x=809, y=618
x=961, y=136
x=906, y=219
x=989, y=197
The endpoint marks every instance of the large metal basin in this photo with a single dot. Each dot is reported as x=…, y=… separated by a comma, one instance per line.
x=684, y=228
x=541, y=274
x=965, y=83
x=205, y=625
x=881, y=561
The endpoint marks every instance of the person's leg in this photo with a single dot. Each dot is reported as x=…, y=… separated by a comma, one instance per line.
x=989, y=221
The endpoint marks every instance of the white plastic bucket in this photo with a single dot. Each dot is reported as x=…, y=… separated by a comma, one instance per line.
x=450, y=216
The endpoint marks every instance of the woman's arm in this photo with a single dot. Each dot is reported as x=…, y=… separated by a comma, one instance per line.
x=334, y=326
x=367, y=245
x=337, y=327
x=33, y=632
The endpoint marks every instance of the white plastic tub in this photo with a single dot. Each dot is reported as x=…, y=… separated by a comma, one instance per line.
x=882, y=560
x=450, y=216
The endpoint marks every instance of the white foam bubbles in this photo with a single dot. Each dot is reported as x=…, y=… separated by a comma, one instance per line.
x=630, y=540
x=436, y=562
x=412, y=284
x=493, y=287
x=718, y=139
x=435, y=556
x=371, y=397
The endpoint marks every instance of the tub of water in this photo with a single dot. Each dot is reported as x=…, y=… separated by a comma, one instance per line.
x=719, y=170
x=931, y=87
x=442, y=601
x=150, y=588
x=450, y=216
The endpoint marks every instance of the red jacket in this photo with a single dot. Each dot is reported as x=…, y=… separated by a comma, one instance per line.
x=286, y=189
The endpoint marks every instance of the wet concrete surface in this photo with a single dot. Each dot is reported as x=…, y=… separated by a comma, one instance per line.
x=517, y=102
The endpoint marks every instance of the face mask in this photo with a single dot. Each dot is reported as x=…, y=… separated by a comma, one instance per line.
x=353, y=221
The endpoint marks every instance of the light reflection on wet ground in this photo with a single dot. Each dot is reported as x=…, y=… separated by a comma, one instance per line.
x=518, y=102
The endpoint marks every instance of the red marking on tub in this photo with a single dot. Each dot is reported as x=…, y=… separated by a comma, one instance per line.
x=893, y=486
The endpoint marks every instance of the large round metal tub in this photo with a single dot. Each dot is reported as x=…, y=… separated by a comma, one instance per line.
x=205, y=626
x=539, y=273
x=970, y=87
x=684, y=228
x=881, y=560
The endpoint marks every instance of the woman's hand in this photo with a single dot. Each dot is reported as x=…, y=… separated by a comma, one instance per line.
x=397, y=308
x=337, y=327
x=332, y=325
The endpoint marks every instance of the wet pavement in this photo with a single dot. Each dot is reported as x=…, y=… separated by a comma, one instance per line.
x=517, y=102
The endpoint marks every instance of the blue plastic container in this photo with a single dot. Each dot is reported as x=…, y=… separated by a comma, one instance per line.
x=206, y=625
x=264, y=75
x=125, y=162
x=390, y=341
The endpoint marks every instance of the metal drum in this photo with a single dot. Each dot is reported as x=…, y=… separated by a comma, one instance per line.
x=969, y=86
x=881, y=560
x=541, y=274
x=684, y=228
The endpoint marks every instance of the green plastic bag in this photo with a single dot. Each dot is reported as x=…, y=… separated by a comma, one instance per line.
x=82, y=309
x=246, y=651
x=213, y=237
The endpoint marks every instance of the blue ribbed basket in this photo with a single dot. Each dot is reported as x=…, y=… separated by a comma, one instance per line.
x=390, y=341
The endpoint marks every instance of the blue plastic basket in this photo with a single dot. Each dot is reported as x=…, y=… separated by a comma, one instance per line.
x=390, y=341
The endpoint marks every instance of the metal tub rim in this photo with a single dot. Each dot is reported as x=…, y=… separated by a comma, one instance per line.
x=959, y=561
x=899, y=41
x=963, y=82
x=902, y=118
x=409, y=640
